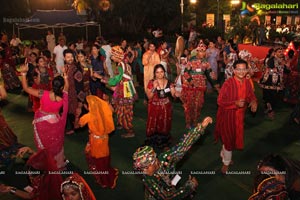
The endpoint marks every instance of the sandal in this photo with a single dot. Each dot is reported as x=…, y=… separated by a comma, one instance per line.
x=271, y=115
x=224, y=169
x=69, y=132
x=128, y=135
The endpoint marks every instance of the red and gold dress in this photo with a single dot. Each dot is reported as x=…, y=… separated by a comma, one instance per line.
x=193, y=88
x=45, y=185
x=159, y=120
x=49, y=126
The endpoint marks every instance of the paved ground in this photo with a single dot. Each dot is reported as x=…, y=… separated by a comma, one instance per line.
x=262, y=136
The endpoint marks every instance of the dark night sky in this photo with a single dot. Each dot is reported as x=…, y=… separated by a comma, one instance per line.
x=48, y=4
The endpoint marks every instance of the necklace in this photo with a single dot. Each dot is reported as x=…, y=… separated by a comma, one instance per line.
x=161, y=89
x=163, y=84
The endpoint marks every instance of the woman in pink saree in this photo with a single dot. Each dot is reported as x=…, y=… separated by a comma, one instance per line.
x=49, y=123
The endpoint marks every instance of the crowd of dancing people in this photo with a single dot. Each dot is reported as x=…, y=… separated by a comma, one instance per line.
x=71, y=86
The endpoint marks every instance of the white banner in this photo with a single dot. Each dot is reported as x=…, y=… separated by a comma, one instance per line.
x=210, y=19
x=278, y=20
x=297, y=19
x=226, y=18
x=289, y=20
x=268, y=19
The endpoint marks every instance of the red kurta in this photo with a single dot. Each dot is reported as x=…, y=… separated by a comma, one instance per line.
x=230, y=118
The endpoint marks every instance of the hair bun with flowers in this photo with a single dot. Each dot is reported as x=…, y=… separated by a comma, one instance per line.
x=244, y=53
x=201, y=47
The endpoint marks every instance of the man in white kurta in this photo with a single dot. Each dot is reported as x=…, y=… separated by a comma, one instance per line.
x=58, y=55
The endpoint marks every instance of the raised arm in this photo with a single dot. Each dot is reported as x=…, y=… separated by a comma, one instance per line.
x=66, y=86
x=173, y=91
x=146, y=58
x=177, y=152
x=29, y=90
x=151, y=89
x=3, y=93
x=54, y=56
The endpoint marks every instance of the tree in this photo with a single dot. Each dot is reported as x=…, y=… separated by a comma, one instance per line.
x=12, y=11
x=133, y=16
x=136, y=14
x=14, y=8
x=224, y=7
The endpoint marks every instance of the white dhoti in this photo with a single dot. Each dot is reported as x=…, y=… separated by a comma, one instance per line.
x=226, y=156
x=165, y=64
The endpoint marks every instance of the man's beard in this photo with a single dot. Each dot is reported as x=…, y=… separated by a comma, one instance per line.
x=69, y=62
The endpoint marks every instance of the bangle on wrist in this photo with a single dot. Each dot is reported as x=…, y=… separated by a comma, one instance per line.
x=13, y=190
x=23, y=73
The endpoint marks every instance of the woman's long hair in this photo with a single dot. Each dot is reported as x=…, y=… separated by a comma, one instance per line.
x=58, y=85
x=97, y=47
